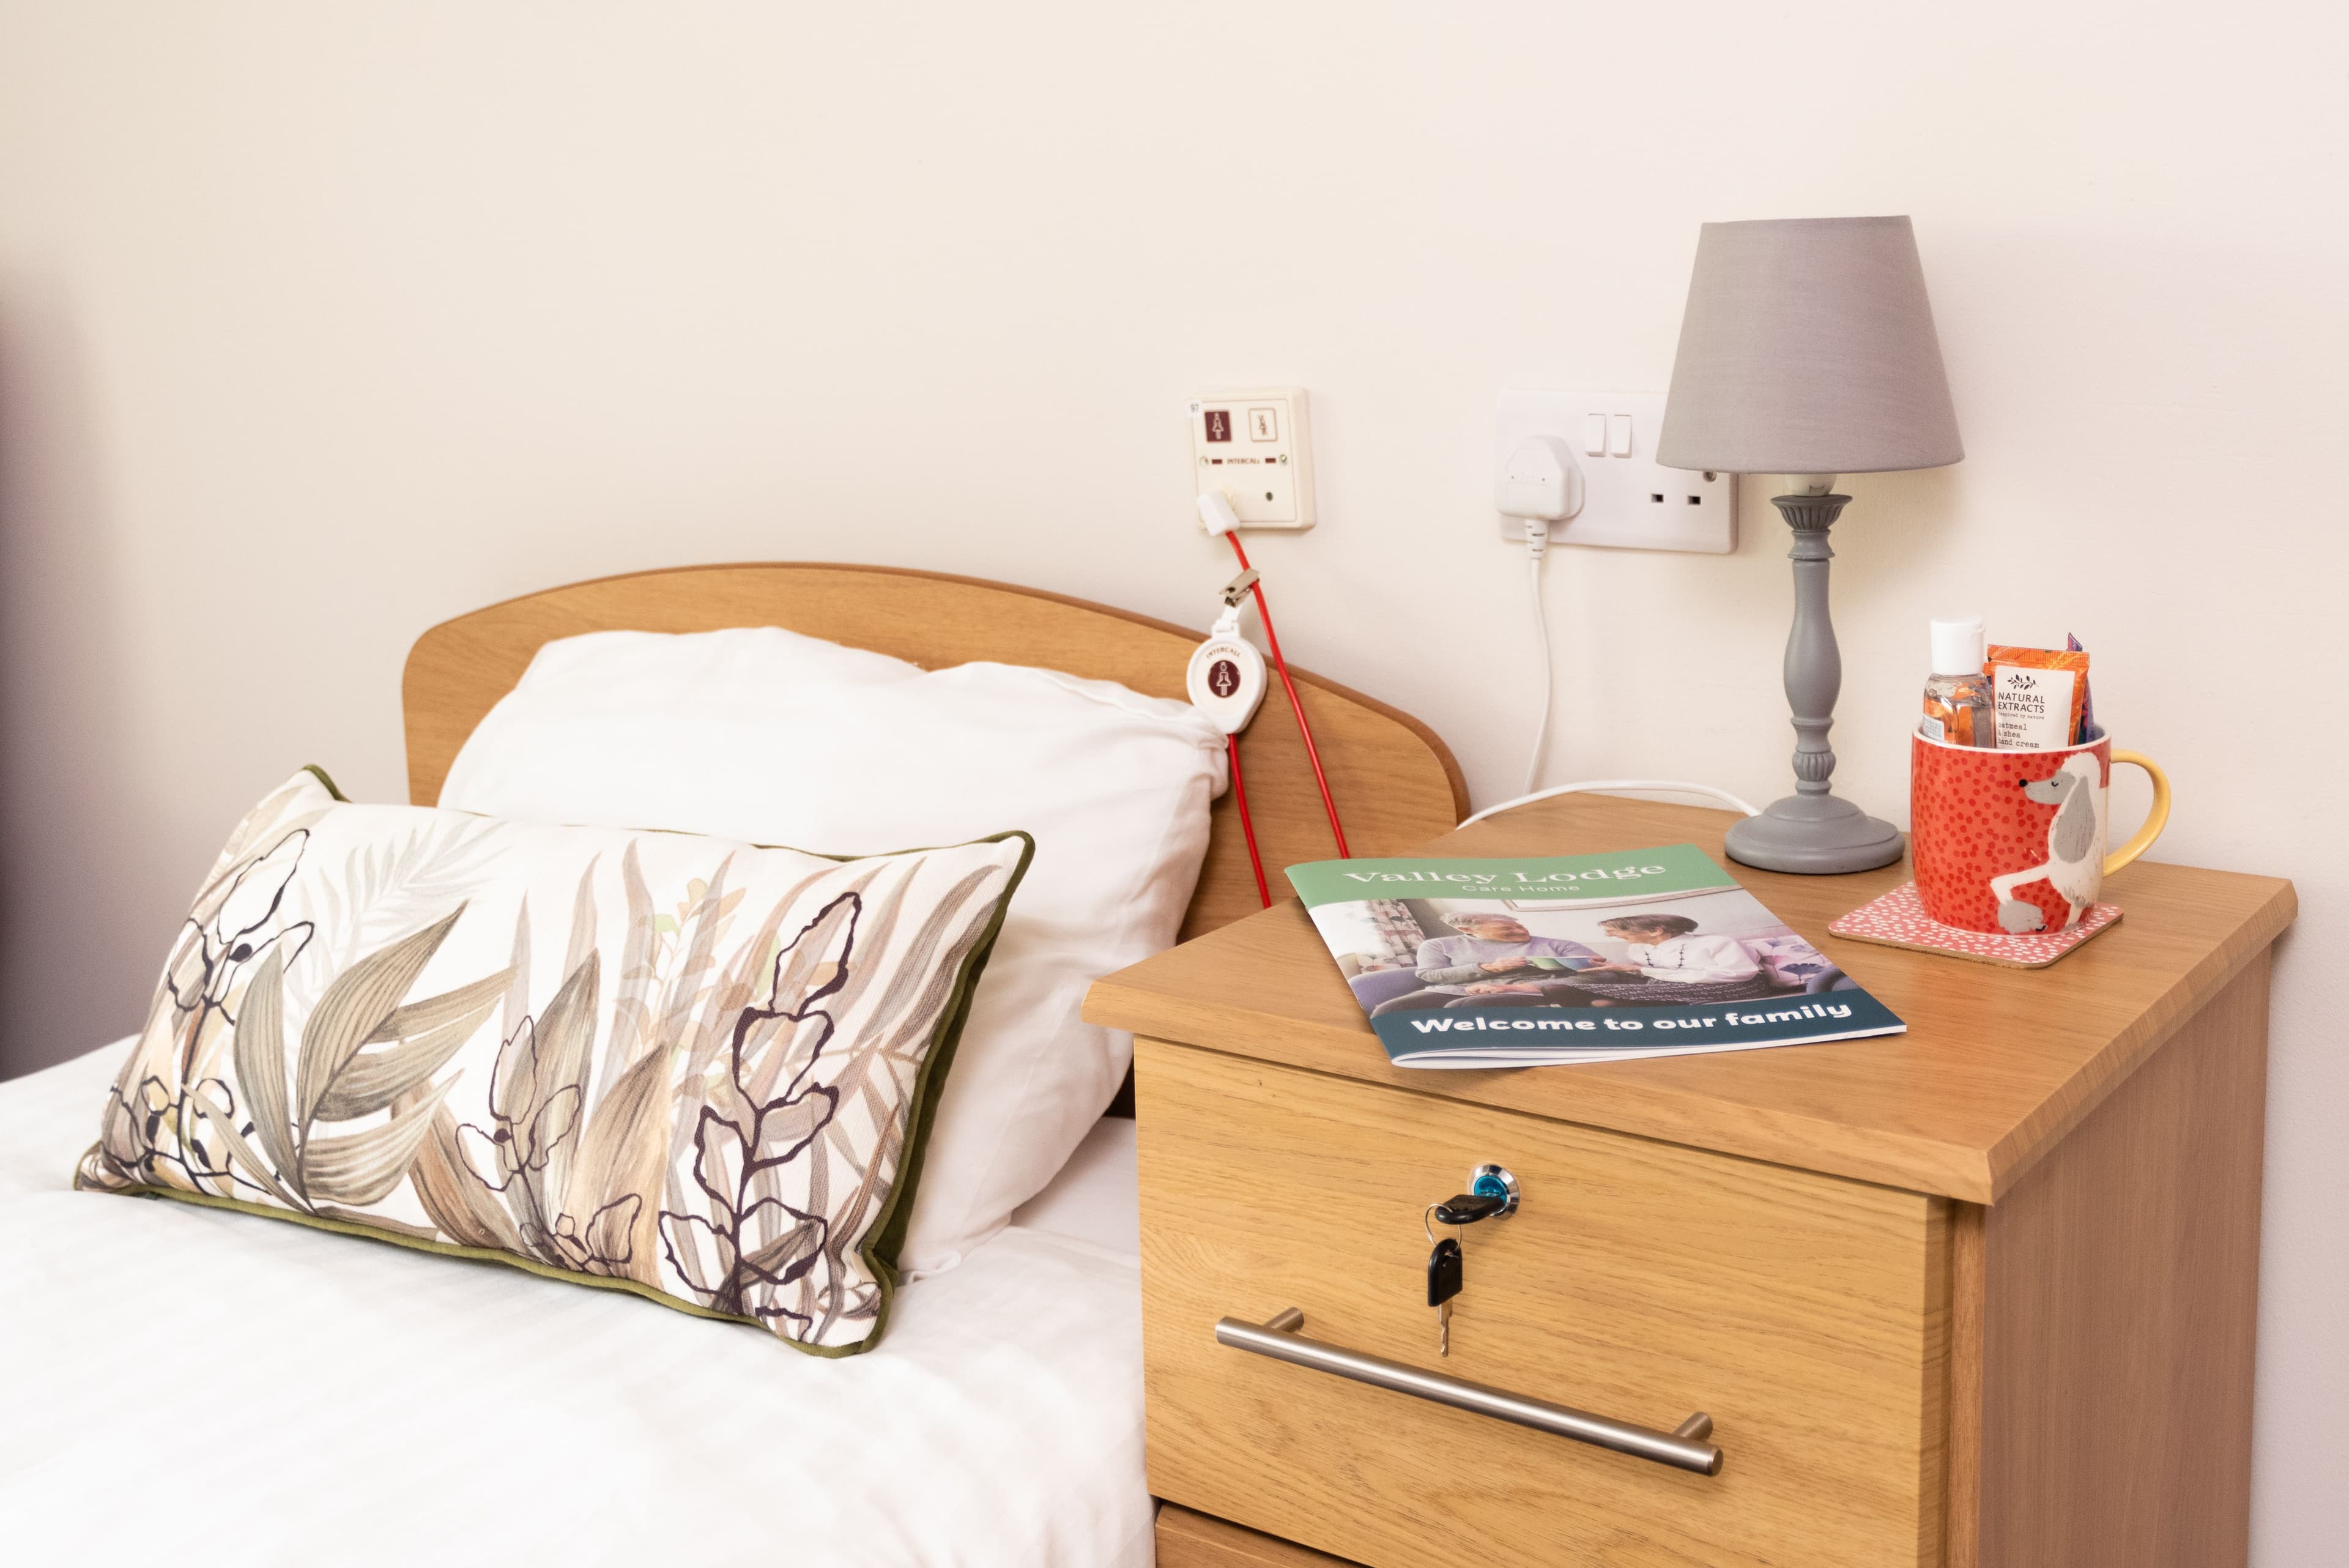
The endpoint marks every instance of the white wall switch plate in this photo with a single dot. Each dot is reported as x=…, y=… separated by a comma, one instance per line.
x=1629, y=501
x=1255, y=446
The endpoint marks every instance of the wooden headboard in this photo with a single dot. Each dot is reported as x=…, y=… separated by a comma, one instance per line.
x=1395, y=782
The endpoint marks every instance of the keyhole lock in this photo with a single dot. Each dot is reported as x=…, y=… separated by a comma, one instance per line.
x=1496, y=1181
x=1492, y=1195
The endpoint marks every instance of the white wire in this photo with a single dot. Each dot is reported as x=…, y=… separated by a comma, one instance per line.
x=1676, y=786
x=1541, y=634
x=1536, y=547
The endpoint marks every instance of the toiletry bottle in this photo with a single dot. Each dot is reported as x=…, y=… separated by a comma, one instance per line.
x=1957, y=696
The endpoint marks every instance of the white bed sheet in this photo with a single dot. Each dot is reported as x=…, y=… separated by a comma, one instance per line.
x=1097, y=1195
x=204, y=1388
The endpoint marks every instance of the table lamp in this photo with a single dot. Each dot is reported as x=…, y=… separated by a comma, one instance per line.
x=1808, y=350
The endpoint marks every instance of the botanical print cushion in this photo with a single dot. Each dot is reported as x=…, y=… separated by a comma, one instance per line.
x=688, y=1067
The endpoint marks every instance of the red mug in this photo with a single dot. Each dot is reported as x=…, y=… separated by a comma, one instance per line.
x=2013, y=842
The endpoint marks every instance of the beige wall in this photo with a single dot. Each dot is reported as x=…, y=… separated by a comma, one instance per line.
x=321, y=322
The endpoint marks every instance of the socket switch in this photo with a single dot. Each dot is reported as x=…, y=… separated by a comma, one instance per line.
x=1628, y=501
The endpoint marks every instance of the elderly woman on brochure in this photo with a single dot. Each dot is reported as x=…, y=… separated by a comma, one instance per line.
x=1669, y=965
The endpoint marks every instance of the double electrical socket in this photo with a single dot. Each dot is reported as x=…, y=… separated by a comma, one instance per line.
x=1630, y=502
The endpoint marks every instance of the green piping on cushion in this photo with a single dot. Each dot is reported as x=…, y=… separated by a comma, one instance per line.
x=315, y=771
x=888, y=1232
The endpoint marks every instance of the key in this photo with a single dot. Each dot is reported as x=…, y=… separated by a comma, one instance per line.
x=1443, y=1281
x=1443, y=1271
x=1467, y=1208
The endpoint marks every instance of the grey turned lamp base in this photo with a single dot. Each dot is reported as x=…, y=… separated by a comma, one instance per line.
x=1815, y=835
x=1811, y=831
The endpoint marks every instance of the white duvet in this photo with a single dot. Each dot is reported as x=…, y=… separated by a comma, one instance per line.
x=186, y=1387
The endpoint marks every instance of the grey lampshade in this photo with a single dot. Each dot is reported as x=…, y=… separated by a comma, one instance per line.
x=1808, y=348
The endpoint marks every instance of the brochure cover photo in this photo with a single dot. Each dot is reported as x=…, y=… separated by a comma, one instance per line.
x=1581, y=957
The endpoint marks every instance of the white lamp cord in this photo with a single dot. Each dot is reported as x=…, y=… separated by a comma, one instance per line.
x=1587, y=786
x=1537, y=546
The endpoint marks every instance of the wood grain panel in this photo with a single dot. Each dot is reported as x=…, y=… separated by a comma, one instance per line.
x=1188, y=1540
x=2120, y=1295
x=1806, y=1315
x=1995, y=1068
x=1396, y=781
x=1962, y=1511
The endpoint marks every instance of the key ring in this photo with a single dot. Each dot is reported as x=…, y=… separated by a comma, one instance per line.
x=1427, y=1222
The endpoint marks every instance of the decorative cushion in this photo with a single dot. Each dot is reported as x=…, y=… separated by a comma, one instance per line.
x=691, y=1069
x=763, y=735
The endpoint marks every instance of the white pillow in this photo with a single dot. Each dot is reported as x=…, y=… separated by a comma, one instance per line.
x=765, y=735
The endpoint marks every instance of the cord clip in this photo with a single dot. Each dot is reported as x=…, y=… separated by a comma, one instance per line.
x=1238, y=588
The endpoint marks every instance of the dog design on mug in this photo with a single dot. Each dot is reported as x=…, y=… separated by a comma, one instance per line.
x=2075, y=845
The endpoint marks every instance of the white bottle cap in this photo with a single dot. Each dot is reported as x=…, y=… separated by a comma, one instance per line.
x=1958, y=645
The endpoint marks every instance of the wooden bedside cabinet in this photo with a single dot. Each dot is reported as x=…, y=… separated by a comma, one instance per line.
x=1980, y=1294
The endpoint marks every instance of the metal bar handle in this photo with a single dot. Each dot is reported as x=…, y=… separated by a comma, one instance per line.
x=1683, y=1448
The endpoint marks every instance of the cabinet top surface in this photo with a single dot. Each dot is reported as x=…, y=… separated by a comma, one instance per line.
x=1998, y=1064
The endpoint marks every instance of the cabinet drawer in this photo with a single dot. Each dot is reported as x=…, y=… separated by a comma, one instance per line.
x=1639, y=1281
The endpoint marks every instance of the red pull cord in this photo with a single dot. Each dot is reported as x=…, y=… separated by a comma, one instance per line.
x=1239, y=797
x=1304, y=728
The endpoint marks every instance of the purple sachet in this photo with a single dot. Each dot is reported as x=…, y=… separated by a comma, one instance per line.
x=2087, y=698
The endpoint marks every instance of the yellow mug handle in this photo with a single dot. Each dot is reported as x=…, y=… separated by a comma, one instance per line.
x=2155, y=820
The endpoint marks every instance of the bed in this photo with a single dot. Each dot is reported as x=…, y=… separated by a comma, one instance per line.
x=373, y=1404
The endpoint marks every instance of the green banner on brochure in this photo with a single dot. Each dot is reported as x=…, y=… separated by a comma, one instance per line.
x=1675, y=868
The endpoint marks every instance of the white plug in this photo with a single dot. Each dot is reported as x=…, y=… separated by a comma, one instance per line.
x=1541, y=483
x=1216, y=513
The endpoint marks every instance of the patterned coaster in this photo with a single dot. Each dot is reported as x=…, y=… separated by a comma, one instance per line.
x=1899, y=919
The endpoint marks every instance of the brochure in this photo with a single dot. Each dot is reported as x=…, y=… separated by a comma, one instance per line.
x=1579, y=958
